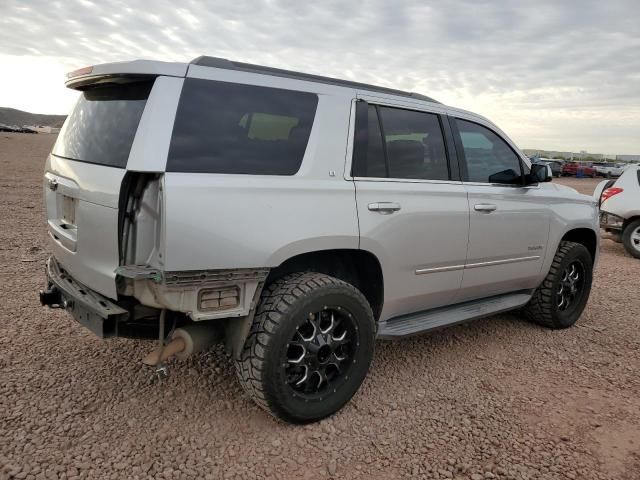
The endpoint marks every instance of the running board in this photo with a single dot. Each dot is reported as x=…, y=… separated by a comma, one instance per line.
x=420, y=322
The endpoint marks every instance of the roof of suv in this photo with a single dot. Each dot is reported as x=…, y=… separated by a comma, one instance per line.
x=223, y=63
x=107, y=72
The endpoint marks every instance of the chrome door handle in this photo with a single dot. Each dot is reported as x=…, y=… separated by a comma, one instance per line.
x=384, y=208
x=484, y=207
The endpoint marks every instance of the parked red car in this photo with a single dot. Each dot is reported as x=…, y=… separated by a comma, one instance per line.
x=573, y=168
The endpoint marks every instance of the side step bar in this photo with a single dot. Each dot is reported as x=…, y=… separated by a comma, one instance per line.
x=414, y=323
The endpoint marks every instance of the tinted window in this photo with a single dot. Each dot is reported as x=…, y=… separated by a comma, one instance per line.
x=489, y=158
x=368, y=154
x=101, y=127
x=413, y=144
x=232, y=128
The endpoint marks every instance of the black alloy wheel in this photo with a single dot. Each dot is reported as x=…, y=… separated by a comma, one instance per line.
x=319, y=355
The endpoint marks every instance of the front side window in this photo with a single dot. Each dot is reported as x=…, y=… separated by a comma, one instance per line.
x=489, y=158
x=243, y=129
x=403, y=144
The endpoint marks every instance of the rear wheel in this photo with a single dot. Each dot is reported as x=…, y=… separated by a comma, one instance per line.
x=631, y=238
x=559, y=301
x=309, y=348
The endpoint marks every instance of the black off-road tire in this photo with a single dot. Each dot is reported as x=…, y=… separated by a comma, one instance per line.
x=284, y=305
x=627, y=241
x=543, y=307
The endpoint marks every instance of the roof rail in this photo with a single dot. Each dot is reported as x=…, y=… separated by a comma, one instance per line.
x=217, y=62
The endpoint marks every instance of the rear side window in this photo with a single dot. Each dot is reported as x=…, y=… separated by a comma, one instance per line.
x=243, y=129
x=403, y=144
x=101, y=127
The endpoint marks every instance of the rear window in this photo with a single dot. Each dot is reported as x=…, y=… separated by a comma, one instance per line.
x=244, y=129
x=101, y=127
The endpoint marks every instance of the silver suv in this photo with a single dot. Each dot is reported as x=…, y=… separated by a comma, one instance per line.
x=295, y=218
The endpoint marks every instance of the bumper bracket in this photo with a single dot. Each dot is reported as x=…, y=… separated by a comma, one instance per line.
x=89, y=308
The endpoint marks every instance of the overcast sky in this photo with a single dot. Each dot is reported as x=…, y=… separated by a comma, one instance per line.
x=555, y=75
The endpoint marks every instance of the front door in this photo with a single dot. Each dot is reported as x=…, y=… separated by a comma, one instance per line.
x=509, y=222
x=413, y=212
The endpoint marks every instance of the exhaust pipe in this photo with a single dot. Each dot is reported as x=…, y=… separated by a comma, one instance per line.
x=185, y=342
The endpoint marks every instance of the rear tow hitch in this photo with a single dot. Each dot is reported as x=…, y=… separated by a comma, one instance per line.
x=51, y=298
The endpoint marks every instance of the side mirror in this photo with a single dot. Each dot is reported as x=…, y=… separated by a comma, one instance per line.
x=506, y=177
x=539, y=173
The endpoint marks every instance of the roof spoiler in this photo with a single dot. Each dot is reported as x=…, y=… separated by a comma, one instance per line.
x=120, y=72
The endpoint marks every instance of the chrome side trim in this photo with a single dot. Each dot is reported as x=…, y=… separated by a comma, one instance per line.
x=451, y=268
x=502, y=262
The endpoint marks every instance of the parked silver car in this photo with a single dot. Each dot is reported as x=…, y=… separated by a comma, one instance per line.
x=295, y=218
x=620, y=208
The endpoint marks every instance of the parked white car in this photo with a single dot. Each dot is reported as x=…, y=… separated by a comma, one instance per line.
x=620, y=208
x=295, y=218
x=610, y=169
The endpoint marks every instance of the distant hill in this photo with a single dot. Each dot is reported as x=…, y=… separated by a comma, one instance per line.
x=11, y=116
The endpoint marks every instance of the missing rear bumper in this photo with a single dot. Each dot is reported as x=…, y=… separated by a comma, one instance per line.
x=90, y=309
x=200, y=294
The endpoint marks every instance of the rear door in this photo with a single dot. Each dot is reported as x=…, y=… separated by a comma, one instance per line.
x=508, y=223
x=412, y=208
x=83, y=177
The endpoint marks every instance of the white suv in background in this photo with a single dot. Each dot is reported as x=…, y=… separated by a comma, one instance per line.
x=295, y=218
x=620, y=208
x=609, y=169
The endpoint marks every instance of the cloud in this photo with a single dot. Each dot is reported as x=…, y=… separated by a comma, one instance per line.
x=552, y=74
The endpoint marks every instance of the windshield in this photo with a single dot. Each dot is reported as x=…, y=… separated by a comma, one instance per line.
x=101, y=127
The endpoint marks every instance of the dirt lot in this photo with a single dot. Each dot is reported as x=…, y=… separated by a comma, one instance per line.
x=498, y=398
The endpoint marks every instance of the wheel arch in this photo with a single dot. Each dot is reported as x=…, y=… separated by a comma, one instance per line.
x=584, y=236
x=635, y=216
x=360, y=268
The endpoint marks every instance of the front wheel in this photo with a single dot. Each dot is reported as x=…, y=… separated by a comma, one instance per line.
x=309, y=348
x=631, y=238
x=559, y=301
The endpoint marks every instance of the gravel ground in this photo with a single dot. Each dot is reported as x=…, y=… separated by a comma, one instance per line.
x=498, y=398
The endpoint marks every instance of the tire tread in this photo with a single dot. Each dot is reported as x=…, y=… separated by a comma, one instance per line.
x=277, y=297
x=540, y=308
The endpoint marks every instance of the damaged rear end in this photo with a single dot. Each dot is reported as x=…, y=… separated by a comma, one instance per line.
x=103, y=193
x=105, y=204
x=106, y=199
